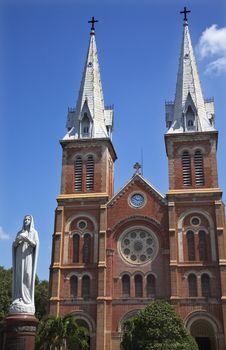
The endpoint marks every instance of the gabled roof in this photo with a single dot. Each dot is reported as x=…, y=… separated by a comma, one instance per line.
x=141, y=179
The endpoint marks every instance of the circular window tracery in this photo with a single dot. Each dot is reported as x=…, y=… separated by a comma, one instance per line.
x=195, y=221
x=138, y=246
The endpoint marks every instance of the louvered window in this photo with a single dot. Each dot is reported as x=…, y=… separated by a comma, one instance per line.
x=192, y=285
x=87, y=248
x=85, y=287
x=78, y=174
x=125, y=285
x=199, y=172
x=74, y=286
x=151, y=292
x=138, y=286
x=90, y=173
x=191, y=245
x=76, y=248
x=186, y=165
x=205, y=282
x=202, y=246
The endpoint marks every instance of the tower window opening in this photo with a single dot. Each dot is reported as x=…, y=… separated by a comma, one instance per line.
x=138, y=286
x=205, y=282
x=191, y=245
x=78, y=174
x=151, y=288
x=85, y=126
x=199, y=171
x=202, y=246
x=87, y=248
x=186, y=166
x=76, y=248
x=190, y=119
x=74, y=286
x=126, y=285
x=192, y=285
x=90, y=173
x=85, y=287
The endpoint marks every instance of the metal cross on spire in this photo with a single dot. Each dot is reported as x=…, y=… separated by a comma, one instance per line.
x=185, y=13
x=93, y=21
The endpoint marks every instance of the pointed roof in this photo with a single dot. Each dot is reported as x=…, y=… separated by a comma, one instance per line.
x=189, y=101
x=140, y=178
x=90, y=100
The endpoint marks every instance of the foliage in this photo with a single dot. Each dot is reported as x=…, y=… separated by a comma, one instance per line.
x=157, y=327
x=5, y=295
x=56, y=332
x=41, y=298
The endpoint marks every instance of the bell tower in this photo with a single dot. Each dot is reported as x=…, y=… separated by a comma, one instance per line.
x=195, y=207
x=77, y=270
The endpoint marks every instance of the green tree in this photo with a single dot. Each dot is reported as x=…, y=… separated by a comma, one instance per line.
x=41, y=298
x=157, y=327
x=5, y=296
x=56, y=332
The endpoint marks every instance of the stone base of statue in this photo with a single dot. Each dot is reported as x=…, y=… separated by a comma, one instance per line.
x=20, y=330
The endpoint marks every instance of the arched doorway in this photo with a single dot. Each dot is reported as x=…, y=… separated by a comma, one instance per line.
x=204, y=334
x=82, y=323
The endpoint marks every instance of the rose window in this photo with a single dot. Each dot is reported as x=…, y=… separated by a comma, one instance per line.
x=138, y=246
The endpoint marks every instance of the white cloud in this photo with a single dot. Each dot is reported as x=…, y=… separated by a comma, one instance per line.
x=212, y=46
x=3, y=234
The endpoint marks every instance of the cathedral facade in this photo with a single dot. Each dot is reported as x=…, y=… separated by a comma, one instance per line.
x=113, y=253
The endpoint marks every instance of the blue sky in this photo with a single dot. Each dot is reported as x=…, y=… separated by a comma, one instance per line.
x=43, y=46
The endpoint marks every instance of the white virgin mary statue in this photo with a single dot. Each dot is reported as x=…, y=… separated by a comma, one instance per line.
x=25, y=254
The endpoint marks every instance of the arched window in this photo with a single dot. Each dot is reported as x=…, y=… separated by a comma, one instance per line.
x=74, y=286
x=190, y=123
x=85, y=126
x=202, y=246
x=186, y=166
x=85, y=287
x=87, y=248
x=90, y=173
x=191, y=245
x=192, y=285
x=138, y=286
x=76, y=248
x=205, y=282
x=78, y=174
x=199, y=171
x=190, y=118
x=151, y=290
x=126, y=285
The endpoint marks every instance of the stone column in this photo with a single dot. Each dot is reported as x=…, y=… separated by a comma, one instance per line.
x=20, y=330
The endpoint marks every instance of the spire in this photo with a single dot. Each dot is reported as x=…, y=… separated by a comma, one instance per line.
x=90, y=119
x=189, y=112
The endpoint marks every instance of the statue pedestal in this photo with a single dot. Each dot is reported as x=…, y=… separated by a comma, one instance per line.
x=20, y=330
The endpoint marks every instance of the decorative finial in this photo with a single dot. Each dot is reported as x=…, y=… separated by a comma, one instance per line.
x=137, y=168
x=93, y=21
x=185, y=14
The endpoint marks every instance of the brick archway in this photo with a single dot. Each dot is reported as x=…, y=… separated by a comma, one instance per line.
x=206, y=330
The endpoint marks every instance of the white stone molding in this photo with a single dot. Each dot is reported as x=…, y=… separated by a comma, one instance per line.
x=203, y=315
x=82, y=315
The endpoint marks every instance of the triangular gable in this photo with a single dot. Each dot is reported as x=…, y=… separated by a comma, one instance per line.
x=147, y=184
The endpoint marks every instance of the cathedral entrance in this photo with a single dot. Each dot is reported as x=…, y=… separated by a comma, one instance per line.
x=82, y=323
x=203, y=343
x=204, y=334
